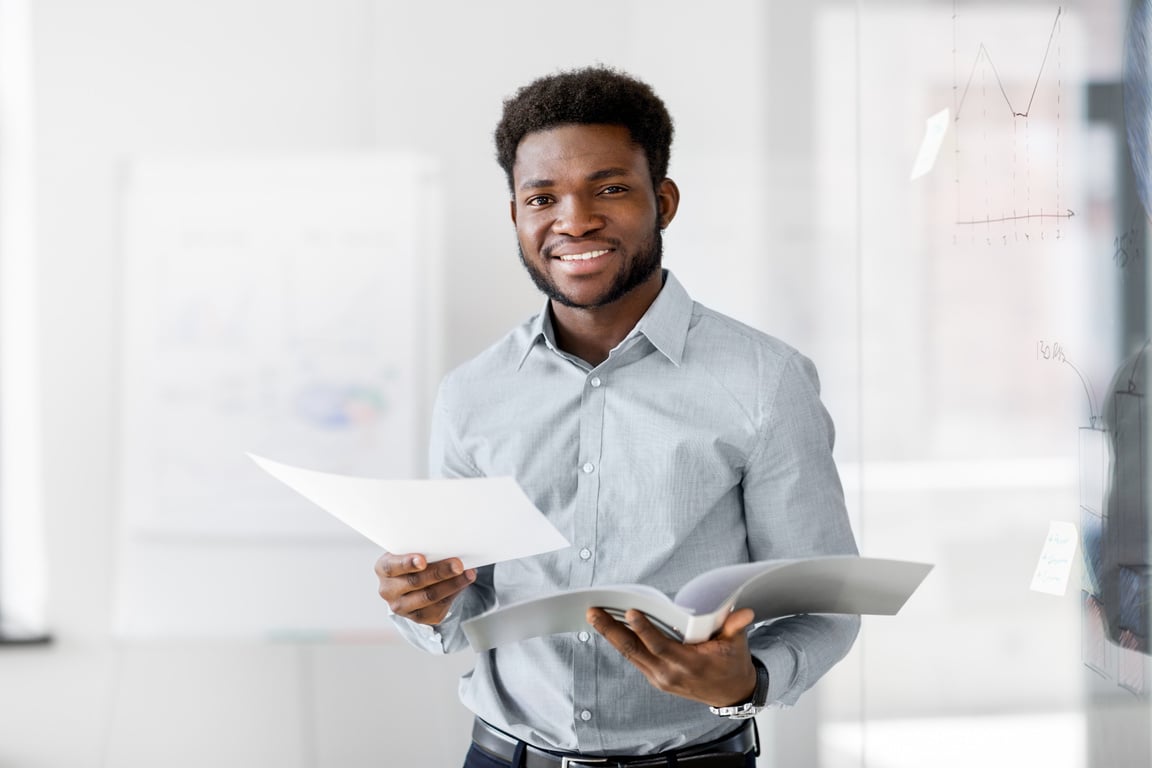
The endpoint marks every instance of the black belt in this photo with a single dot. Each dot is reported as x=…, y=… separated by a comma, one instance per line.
x=502, y=746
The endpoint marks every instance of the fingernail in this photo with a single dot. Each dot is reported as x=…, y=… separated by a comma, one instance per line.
x=457, y=567
x=417, y=562
x=471, y=575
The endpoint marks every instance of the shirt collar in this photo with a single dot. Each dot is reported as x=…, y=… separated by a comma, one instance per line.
x=665, y=324
x=539, y=330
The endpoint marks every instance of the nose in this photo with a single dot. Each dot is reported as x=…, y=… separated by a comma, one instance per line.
x=577, y=216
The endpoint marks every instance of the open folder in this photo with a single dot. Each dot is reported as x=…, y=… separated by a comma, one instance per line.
x=771, y=588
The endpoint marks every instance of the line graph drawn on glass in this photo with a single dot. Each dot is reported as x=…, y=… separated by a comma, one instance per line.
x=1007, y=116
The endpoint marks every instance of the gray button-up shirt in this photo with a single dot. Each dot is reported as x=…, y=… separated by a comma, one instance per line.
x=699, y=442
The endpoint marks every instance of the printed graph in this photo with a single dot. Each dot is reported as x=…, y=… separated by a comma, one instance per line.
x=1007, y=110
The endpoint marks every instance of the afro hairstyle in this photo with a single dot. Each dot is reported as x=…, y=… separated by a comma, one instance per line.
x=589, y=96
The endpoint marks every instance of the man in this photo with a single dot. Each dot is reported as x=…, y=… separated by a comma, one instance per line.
x=662, y=438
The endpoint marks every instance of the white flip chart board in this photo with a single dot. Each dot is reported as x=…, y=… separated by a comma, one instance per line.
x=277, y=305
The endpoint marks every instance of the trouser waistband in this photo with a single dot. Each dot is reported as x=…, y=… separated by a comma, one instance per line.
x=503, y=746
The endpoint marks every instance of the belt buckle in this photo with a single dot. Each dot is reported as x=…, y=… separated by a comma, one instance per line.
x=577, y=762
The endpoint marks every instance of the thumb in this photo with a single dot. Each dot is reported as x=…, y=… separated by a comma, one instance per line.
x=736, y=623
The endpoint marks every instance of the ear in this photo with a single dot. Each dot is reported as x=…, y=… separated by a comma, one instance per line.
x=667, y=201
x=512, y=211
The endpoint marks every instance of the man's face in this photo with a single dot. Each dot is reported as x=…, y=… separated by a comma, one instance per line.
x=587, y=218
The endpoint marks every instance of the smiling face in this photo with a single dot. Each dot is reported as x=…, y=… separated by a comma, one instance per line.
x=587, y=218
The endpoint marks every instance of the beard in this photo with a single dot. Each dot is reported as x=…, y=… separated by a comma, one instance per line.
x=637, y=271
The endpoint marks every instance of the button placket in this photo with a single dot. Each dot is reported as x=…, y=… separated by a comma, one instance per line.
x=585, y=515
x=584, y=531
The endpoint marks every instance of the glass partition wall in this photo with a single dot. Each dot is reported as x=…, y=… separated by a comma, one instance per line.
x=980, y=187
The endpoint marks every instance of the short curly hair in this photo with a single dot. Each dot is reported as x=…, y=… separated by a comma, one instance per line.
x=589, y=96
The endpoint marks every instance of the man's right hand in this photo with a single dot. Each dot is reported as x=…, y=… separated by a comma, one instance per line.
x=418, y=590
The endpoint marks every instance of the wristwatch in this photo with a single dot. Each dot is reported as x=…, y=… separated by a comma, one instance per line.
x=756, y=704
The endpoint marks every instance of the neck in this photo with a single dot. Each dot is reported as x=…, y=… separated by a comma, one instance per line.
x=590, y=333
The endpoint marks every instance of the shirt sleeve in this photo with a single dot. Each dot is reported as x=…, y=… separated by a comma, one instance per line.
x=446, y=459
x=794, y=507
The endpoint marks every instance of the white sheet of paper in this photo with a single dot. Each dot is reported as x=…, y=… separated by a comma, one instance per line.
x=1051, y=576
x=935, y=129
x=479, y=520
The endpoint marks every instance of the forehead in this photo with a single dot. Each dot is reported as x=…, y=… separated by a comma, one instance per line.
x=576, y=150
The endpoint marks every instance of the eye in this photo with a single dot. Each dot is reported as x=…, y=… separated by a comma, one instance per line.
x=613, y=189
x=538, y=200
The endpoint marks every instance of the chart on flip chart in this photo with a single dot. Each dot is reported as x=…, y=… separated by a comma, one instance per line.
x=271, y=306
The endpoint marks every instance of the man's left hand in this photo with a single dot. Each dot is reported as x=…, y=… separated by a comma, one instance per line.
x=718, y=672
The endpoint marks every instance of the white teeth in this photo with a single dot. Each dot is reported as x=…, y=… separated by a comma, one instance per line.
x=583, y=256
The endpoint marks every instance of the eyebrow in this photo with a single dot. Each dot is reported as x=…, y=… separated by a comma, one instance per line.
x=600, y=175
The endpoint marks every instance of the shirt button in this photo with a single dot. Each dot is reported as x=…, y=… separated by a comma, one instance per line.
x=585, y=554
x=588, y=467
x=584, y=637
x=595, y=381
x=585, y=715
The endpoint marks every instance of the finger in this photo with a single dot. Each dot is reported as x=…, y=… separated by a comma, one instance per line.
x=442, y=570
x=620, y=637
x=418, y=601
x=390, y=566
x=433, y=614
x=408, y=592
x=736, y=623
x=417, y=571
x=657, y=643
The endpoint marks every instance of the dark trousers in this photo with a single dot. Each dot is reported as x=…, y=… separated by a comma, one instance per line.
x=478, y=759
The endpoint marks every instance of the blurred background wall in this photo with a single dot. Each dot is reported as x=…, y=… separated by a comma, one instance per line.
x=966, y=325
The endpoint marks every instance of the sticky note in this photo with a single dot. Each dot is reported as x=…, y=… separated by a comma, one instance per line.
x=1056, y=559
